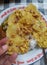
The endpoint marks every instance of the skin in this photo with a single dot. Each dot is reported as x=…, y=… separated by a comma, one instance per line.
x=4, y=58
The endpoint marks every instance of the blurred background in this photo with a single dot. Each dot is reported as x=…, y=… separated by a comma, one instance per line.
x=40, y=4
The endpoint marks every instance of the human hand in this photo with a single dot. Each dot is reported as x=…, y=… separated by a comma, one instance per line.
x=4, y=58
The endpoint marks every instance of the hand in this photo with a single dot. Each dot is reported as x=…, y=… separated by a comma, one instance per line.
x=6, y=59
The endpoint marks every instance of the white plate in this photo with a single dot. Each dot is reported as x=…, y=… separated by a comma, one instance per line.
x=33, y=55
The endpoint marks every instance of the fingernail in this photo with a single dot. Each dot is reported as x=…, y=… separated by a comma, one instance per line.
x=5, y=47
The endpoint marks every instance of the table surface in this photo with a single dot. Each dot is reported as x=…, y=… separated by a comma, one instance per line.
x=40, y=4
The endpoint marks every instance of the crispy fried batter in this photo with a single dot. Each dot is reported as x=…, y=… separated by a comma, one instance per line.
x=33, y=11
x=23, y=23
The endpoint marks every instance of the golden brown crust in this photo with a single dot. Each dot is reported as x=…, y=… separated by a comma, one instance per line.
x=23, y=23
x=33, y=11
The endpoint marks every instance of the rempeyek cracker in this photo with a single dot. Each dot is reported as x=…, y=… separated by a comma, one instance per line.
x=22, y=24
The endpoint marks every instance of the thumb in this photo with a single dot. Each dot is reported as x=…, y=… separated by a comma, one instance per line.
x=3, y=49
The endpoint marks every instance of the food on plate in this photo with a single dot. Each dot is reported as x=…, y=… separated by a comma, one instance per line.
x=17, y=32
x=25, y=28
x=33, y=11
x=17, y=15
x=39, y=33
